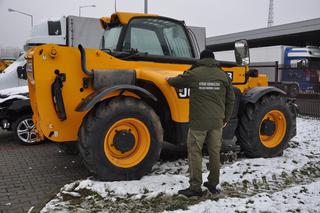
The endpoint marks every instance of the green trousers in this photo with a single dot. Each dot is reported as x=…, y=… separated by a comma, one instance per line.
x=196, y=139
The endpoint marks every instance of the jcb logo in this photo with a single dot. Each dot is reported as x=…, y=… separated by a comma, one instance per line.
x=183, y=93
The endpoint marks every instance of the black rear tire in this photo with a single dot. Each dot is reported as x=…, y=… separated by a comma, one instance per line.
x=250, y=125
x=94, y=132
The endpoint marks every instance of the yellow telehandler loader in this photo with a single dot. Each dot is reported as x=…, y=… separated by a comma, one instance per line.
x=116, y=102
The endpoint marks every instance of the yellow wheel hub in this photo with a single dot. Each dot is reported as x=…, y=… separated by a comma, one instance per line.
x=272, y=128
x=127, y=142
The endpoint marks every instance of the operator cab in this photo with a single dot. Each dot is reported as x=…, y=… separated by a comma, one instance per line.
x=158, y=39
x=149, y=38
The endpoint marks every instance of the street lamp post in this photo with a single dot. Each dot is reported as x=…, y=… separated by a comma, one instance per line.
x=145, y=6
x=84, y=7
x=27, y=14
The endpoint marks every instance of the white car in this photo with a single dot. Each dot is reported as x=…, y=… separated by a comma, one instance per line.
x=9, y=77
x=16, y=115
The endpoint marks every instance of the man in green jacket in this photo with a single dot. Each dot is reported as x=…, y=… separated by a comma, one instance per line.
x=211, y=105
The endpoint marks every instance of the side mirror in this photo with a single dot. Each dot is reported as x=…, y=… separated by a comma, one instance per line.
x=300, y=64
x=241, y=51
x=305, y=63
x=21, y=72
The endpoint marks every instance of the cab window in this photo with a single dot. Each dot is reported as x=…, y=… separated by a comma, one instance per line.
x=111, y=38
x=157, y=36
x=144, y=40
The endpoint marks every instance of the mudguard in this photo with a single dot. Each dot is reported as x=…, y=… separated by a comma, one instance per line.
x=254, y=94
x=98, y=95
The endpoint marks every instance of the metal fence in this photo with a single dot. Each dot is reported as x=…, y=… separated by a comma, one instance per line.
x=300, y=81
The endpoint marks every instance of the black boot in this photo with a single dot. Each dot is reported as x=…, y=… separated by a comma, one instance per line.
x=212, y=189
x=190, y=193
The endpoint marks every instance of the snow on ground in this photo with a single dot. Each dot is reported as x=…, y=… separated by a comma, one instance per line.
x=14, y=93
x=169, y=177
x=302, y=198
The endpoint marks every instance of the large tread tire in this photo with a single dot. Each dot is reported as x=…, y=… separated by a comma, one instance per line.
x=97, y=124
x=249, y=127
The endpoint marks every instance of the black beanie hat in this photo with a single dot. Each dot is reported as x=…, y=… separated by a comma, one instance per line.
x=206, y=54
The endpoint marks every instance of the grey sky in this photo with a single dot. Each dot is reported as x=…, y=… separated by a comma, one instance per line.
x=218, y=16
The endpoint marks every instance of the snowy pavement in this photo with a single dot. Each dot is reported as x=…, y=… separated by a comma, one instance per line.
x=287, y=183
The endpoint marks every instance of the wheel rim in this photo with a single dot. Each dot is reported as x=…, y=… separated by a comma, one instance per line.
x=124, y=155
x=280, y=125
x=26, y=131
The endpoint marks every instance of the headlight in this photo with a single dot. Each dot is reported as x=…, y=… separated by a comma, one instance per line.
x=29, y=71
x=29, y=67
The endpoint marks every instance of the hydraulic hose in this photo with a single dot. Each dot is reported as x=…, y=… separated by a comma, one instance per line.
x=83, y=61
